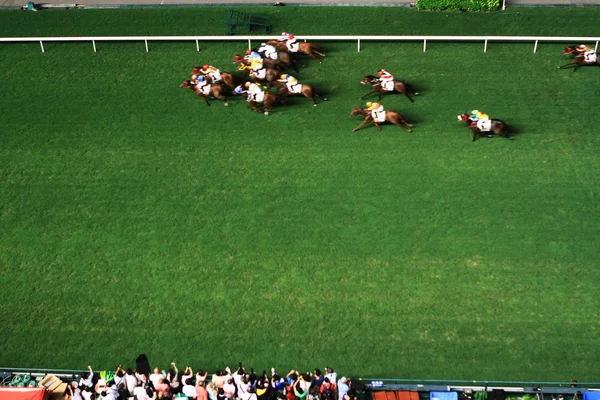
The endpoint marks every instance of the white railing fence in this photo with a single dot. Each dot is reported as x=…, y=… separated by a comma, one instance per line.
x=359, y=39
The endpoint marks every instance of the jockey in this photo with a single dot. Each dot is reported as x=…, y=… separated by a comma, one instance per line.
x=252, y=90
x=477, y=115
x=268, y=50
x=386, y=78
x=211, y=71
x=375, y=109
x=588, y=53
x=291, y=43
x=252, y=55
x=258, y=70
x=291, y=83
x=198, y=81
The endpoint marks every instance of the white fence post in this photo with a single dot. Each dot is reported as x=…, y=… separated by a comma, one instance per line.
x=424, y=45
x=197, y=45
x=94, y=44
x=535, y=47
x=249, y=45
x=146, y=41
x=42, y=46
x=359, y=45
x=596, y=48
x=485, y=46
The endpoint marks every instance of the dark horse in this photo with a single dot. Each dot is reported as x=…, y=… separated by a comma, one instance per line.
x=399, y=87
x=271, y=75
x=268, y=100
x=497, y=128
x=307, y=48
x=227, y=78
x=215, y=90
x=580, y=59
x=305, y=90
x=390, y=116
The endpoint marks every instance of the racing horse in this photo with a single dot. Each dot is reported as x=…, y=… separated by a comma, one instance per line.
x=496, y=127
x=227, y=78
x=390, y=116
x=580, y=59
x=310, y=49
x=215, y=90
x=304, y=90
x=399, y=87
x=269, y=98
x=271, y=75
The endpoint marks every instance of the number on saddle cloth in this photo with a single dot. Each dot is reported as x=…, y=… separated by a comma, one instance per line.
x=259, y=97
x=297, y=88
x=294, y=47
x=484, y=125
x=590, y=57
x=378, y=116
x=205, y=89
x=261, y=73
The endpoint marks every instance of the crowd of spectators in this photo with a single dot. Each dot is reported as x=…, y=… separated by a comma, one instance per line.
x=128, y=384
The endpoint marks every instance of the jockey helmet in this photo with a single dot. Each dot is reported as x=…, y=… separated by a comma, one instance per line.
x=194, y=77
x=201, y=78
x=474, y=112
x=380, y=72
x=205, y=66
x=582, y=47
x=248, y=51
x=369, y=104
x=290, y=36
x=263, y=44
x=247, y=84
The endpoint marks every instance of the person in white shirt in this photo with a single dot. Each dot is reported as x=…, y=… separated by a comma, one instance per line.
x=139, y=393
x=130, y=381
x=342, y=387
x=156, y=376
x=189, y=389
x=119, y=375
x=331, y=375
x=87, y=378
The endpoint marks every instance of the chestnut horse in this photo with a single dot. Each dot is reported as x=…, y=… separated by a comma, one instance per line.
x=271, y=75
x=215, y=90
x=497, y=128
x=305, y=90
x=307, y=48
x=268, y=100
x=227, y=78
x=399, y=87
x=390, y=116
x=580, y=59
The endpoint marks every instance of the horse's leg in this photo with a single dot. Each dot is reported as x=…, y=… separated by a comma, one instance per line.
x=401, y=123
x=569, y=65
x=308, y=92
x=365, y=122
x=310, y=53
x=410, y=98
x=371, y=92
x=475, y=133
x=205, y=98
x=219, y=95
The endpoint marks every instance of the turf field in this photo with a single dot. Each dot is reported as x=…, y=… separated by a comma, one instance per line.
x=136, y=219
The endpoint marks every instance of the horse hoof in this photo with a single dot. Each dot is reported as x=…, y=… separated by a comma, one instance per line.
x=315, y=105
x=266, y=113
x=226, y=104
x=324, y=98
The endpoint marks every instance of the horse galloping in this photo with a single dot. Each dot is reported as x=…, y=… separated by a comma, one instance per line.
x=390, y=116
x=268, y=100
x=310, y=49
x=582, y=58
x=399, y=87
x=271, y=74
x=215, y=90
x=496, y=127
x=227, y=78
x=304, y=90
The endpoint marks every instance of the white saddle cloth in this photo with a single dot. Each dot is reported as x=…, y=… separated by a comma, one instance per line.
x=260, y=74
x=258, y=97
x=297, y=88
x=484, y=125
x=590, y=57
x=205, y=90
x=388, y=85
x=378, y=116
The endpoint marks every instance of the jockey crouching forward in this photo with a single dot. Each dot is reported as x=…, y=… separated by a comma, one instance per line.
x=258, y=70
x=254, y=92
x=201, y=83
x=211, y=71
x=268, y=51
x=589, y=55
x=482, y=120
x=377, y=111
x=291, y=83
x=386, y=79
x=291, y=43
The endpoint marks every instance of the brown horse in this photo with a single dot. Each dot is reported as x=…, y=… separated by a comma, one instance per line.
x=390, y=116
x=271, y=75
x=497, y=128
x=305, y=90
x=268, y=100
x=580, y=59
x=399, y=87
x=227, y=78
x=284, y=60
x=307, y=48
x=215, y=90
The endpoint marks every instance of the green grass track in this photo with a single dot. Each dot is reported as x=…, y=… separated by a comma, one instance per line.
x=135, y=219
